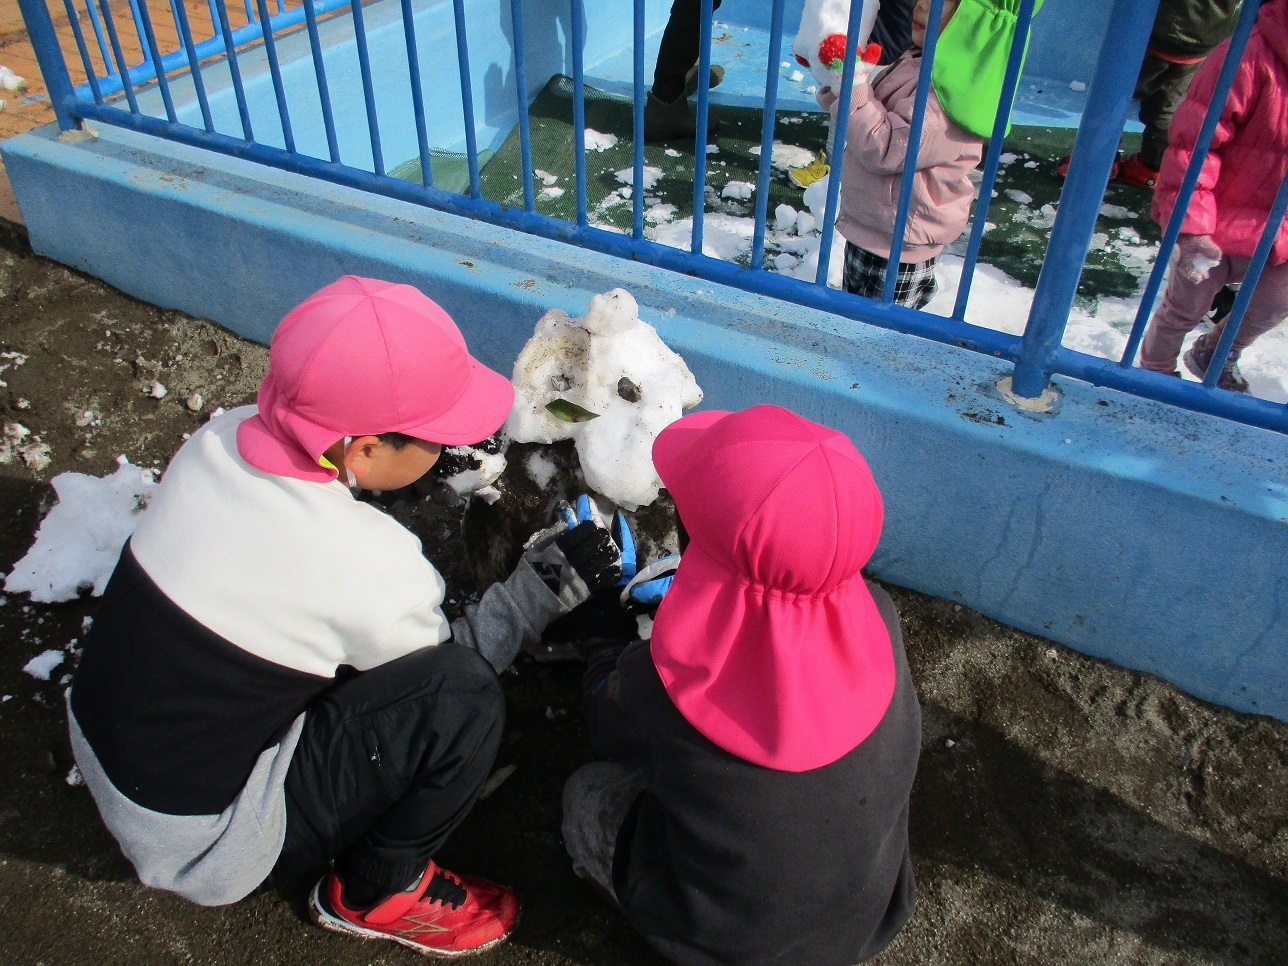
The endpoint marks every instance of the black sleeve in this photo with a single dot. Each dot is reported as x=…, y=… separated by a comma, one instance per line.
x=613, y=732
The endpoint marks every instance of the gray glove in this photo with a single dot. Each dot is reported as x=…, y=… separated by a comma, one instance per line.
x=561, y=567
x=575, y=563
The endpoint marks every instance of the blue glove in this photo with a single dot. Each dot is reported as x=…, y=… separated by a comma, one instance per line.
x=625, y=540
x=649, y=585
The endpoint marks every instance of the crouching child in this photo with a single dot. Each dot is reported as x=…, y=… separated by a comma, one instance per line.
x=762, y=744
x=270, y=684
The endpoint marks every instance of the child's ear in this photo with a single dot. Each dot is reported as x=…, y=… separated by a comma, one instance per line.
x=360, y=453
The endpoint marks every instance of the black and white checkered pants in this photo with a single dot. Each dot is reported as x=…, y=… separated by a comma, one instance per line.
x=865, y=274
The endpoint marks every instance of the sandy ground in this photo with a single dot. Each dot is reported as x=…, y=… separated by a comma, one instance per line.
x=1066, y=810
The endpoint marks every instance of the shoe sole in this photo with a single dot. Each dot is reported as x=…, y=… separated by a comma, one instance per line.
x=328, y=920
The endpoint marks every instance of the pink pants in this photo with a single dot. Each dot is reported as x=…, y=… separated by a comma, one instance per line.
x=1185, y=304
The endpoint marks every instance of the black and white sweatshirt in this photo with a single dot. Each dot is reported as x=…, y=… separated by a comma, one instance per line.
x=237, y=600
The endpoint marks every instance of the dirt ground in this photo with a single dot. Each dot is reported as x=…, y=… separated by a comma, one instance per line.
x=1066, y=810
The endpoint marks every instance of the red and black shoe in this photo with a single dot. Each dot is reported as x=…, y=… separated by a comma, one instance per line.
x=1062, y=167
x=444, y=915
x=1133, y=171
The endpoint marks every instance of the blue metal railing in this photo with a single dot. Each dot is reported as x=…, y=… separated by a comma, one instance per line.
x=1037, y=355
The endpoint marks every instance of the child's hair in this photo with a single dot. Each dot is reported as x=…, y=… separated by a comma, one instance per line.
x=395, y=440
x=769, y=642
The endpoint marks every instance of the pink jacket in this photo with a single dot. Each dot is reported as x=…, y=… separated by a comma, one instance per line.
x=1249, y=153
x=876, y=145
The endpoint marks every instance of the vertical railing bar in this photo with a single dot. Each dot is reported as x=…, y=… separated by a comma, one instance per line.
x=467, y=97
x=700, y=135
x=122, y=68
x=578, y=35
x=49, y=56
x=1198, y=157
x=96, y=22
x=638, y=96
x=417, y=94
x=1094, y=150
x=281, y=6
x=368, y=91
x=319, y=71
x=1250, y=278
x=250, y=11
x=138, y=32
x=214, y=19
x=194, y=64
x=840, y=129
x=275, y=71
x=521, y=94
x=767, y=135
x=1010, y=83
x=914, y=149
x=79, y=35
x=234, y=70
x=154, y=52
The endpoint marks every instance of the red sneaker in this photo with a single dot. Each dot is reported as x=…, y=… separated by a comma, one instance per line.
x=445, y=915
x=1062, y=167
x=1136, y=172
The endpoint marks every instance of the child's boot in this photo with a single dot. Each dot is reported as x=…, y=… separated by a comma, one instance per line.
x=715, y=77
x=1133, y=171
x=444, y=914
x=674, y=120
x=808, y=174
x=1199, y=357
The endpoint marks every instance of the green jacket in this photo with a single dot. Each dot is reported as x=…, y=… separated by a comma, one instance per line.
x=970, y=62
x=1192, y=28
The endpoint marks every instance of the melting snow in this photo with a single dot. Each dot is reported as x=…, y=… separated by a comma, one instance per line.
x=80, y=539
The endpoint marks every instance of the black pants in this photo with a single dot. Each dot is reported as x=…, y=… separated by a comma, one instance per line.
x=390, y=762
x=679, y=49
x=1160, y=86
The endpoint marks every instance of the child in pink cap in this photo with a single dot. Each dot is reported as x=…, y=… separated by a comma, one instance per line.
x=270, y=684
x=763, y=743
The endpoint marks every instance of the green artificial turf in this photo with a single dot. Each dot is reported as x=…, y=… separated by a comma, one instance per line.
x=1020, y=216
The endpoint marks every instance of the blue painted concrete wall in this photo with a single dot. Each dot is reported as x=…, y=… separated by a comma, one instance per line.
x=1150, y=536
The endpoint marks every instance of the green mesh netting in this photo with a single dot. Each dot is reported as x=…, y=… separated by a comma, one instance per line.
x=1027, y=187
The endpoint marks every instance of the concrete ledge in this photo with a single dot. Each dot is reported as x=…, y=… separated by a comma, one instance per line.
x=1151, y=536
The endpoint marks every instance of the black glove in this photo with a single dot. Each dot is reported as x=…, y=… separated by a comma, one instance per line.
x=576, y=557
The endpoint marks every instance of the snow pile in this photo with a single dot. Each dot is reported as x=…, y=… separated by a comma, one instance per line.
x=43, y=664
x=784, y=157
x=607, y=382
x=742, y=190
x=598, y=141
x=80, y=539
x=726, y=237
x=10, y=81
x=651, y=176
x=471, y=470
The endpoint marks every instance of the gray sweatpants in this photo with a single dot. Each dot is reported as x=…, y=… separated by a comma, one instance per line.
x=596, y=798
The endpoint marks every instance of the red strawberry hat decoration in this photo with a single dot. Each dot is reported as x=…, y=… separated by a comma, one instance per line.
x=831, y=53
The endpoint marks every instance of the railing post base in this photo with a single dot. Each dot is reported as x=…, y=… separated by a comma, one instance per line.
x=78, y=135
x=1043, y=402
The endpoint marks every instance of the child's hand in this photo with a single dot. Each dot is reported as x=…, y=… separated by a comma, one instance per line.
x=576, y=558
x=1196, y=256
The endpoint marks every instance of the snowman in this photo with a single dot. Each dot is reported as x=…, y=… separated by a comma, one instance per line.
x=821, y=38
x=607, y=382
